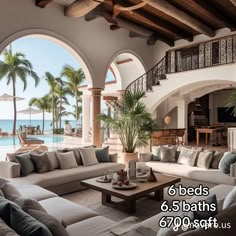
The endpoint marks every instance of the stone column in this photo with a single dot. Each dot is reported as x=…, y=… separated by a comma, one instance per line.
x=182, y=116
x=86, y=117
x=96, y=110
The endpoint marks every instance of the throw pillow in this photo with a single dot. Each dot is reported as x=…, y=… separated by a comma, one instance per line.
x=227, y=159
x=67, y=160
x=3, y=181
x=88, y=156
x=217, y=156
x=41, y=162
x=211, y=200
x=230, y=199
x=28, y=203
x=1, y=193
x=10, y=191
x=168, y=154
x=5, y=230
x=20, y=221
x=204, y=159
x=53, y=159
x=102, y=154
x=26, y=164
x=77, y=156
x=50, y=222
x=156, y=153
x=188, y=156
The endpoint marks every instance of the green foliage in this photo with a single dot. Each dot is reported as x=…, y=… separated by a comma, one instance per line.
x=133, y=122
x=231, y=102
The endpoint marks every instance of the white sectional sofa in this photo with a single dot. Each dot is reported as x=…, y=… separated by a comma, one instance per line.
x=207, y=176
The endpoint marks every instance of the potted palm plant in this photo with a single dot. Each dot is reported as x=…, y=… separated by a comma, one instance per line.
x=133, y=123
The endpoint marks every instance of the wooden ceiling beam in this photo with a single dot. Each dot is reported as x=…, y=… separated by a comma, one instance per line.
x=81, y=7
x=218, y=13
x=42, y=3
x=167, y=8
x=233, y=2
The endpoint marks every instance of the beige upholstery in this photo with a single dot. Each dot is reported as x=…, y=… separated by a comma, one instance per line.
x=96, y=226
x=58, y=177
x=192, y=172
x=34, y=191
x=65, y=211
x=144, y=157
x=9, y=169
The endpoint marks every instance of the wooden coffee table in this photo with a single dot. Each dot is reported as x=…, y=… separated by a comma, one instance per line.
x=131, y=195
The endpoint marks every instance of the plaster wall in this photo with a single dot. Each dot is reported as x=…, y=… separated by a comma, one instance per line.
x=93, y=41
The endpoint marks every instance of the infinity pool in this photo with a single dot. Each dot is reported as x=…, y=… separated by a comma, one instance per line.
x=9, y=141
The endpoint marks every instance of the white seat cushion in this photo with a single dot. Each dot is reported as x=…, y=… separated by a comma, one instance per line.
x=65, y=211
x=214, y=176
x=96, y=226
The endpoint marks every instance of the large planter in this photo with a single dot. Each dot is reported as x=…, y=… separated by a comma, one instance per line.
x=125, y=157
x=67, y=129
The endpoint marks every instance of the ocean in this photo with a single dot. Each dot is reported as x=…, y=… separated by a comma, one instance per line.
x=7, y=125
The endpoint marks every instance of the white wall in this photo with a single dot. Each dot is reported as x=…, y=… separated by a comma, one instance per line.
x=94, y=41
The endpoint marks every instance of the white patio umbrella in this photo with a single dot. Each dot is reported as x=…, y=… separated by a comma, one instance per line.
x=8, y=98
x=30, y=111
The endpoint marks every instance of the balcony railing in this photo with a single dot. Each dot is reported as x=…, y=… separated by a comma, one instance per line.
x=216, y=52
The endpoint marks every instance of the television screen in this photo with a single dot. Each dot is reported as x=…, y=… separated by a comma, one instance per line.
x=225, y=115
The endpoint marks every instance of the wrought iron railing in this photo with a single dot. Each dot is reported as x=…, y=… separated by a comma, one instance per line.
x=151, y=78
x=202, y=55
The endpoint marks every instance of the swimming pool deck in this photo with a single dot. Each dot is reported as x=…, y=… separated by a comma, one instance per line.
x=69, y=142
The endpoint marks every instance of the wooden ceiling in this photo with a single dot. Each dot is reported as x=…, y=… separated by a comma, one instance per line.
x=164, y=20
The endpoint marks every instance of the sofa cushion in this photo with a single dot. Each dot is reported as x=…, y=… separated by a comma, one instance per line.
x=167, y=154
x=226, y=218
x=156, y=153
x=10, y=191
x=188, y=156
x=34, y=191
x=66, y=211
x=67, y=160
x=201, y=215
x=77, y=156
x=41, y=162
x=102, y=154
x=1, y=193
x=28, y=203
x=88, y=156
x=55, y=227
x=216, y=159
x=20, y=221
x=5, y=230
x=230, y=199
x=59, y=177
x=26, y=164
x=227, y=159
x=204, y=159
x=96, y=226
x=52, y=156
x=214, y=176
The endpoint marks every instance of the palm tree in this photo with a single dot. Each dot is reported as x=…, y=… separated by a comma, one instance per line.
x=52, y=82
x=74, y=79
x=61, y=92
x=43, y=104
x=231, y=102
x=15, y=66
x=133, y=123
x=59, y=108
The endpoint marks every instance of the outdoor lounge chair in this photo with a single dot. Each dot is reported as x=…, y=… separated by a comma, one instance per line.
x=28, y=141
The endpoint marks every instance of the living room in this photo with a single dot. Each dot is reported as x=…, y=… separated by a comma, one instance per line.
x=88, y=190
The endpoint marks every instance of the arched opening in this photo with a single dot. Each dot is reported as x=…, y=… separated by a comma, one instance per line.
x=46, y=54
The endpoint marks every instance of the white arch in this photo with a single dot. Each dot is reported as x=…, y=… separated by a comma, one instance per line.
x=138, y=64
x=177, y=82
x=56, y=38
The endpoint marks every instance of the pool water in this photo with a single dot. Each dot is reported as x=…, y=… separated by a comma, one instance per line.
x=8, y=141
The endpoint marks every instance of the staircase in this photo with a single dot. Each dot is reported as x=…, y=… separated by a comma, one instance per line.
x=221, y=51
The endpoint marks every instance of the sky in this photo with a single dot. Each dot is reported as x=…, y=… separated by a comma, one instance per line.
x=44, y=55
